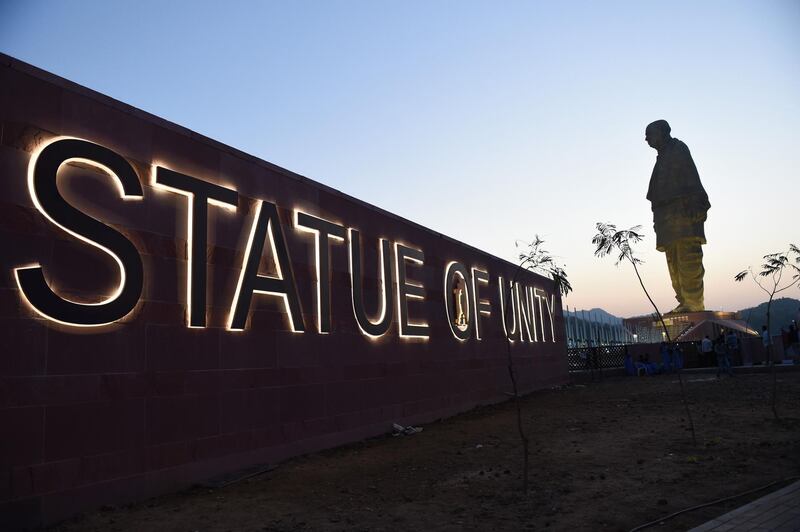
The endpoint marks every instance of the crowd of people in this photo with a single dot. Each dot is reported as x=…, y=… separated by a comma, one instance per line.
x=723, y=349
x=791, y=341
x=721, y=352
x=671, y=360
x=726, y=346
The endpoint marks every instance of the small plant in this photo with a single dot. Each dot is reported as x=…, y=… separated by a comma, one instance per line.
x=612, y=241
x=771, y=280
x=536, y=259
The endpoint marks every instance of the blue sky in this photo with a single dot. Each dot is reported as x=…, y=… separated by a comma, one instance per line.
x=511, y=118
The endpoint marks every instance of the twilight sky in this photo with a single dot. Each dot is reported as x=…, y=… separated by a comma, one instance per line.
x=511, y=118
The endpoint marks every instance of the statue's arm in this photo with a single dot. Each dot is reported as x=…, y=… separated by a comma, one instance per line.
x=687, y=179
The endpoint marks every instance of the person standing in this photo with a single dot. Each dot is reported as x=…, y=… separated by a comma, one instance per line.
x=732, y=344
x=723, y=362
x=794, y=339
x=677, y=357
x=765, y=341
x=706, y=349
x=666, y=357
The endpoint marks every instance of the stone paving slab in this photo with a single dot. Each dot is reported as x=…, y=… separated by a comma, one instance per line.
x=777, y=512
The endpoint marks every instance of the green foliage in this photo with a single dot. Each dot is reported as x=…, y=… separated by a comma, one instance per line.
x=609, y=240
x=778, y=272
x=539, y=260
x=774, y=267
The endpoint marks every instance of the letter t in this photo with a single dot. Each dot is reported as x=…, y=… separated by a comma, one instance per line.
x=199, y=193
x=322, y=229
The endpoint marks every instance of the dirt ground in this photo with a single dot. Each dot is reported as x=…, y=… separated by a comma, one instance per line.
x=604, y=456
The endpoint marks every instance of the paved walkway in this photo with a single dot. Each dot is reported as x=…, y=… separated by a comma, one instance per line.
x=777, y=512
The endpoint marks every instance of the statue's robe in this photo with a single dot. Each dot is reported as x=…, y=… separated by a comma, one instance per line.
x=679, y=201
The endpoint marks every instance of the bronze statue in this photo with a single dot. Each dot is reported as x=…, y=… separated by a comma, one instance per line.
x=460, y=294
x=680, y=204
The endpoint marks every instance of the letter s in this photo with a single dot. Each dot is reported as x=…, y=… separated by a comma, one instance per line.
x=42, y=185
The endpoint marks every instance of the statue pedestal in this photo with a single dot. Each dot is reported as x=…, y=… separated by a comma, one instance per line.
x=683, y=326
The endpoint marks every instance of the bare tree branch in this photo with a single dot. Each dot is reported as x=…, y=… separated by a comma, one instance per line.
x=773, y=267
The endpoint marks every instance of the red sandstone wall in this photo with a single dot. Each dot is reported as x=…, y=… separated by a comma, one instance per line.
x=115, y=414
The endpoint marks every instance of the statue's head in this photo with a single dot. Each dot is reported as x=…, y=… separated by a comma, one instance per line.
x=657, y=134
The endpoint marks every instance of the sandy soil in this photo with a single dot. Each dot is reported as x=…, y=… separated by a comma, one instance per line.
x=604, y=456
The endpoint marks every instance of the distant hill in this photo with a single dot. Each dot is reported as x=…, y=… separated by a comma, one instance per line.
x=596, y=315
x=783, y=311
x=595, y=323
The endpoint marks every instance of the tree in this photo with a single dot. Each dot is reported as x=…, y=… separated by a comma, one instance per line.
x=772, y=282
x=610, y=241
x=536, y=259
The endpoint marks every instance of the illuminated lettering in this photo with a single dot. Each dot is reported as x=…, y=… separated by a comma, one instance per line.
x=199, y=194
x=527, y=318
x=322, y=229
x=465, y=310
x=508, y=303
x=529, y=291
x=550, y=310
x=356, y=265
x=266, y=224
x=461, y=326
x=408, y=290
x=480, y=306
x=541, y=311
x=43, y=188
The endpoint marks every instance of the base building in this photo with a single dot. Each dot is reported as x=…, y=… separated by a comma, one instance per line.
x=687, y=326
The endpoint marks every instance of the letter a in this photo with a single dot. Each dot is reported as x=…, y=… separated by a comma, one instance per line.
x=266, y=224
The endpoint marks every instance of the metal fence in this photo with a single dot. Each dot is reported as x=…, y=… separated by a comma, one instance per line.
x=613, y=356
x=598, y=357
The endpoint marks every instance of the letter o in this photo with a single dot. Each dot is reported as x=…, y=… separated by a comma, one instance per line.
x=453, y=271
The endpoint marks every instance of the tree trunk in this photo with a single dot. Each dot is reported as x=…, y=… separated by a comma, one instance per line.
x=517, y=399
x=669, y=341
x=773, y=400
x=522, y=434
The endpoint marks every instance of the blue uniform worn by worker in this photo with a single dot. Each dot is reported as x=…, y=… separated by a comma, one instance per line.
x=723, y=360
x=666, y=357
